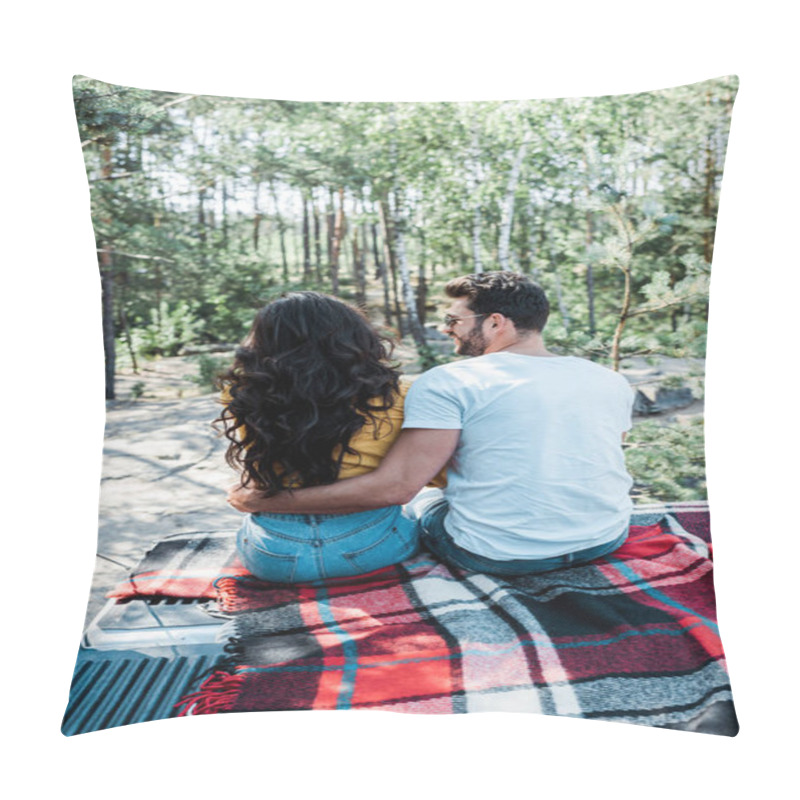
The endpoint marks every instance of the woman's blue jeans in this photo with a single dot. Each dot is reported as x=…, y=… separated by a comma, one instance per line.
x=302, y=548
x=436, y=539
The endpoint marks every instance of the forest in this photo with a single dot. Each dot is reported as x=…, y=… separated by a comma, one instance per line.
x=205, y=208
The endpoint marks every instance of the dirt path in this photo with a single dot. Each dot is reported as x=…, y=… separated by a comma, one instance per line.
x=163, y=473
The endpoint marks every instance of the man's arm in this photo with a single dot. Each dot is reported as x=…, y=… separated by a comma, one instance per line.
x=415, y=458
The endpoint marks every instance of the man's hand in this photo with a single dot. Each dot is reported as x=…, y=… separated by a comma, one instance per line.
x=246, y=499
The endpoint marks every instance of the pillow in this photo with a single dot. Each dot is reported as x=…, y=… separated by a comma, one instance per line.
x=206, y=209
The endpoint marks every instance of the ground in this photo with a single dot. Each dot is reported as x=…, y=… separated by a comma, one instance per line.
x=163, y=472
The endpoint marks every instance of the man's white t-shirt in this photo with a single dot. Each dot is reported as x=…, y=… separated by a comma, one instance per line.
x=539, y=470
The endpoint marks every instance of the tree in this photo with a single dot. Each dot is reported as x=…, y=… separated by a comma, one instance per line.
x=205, y=208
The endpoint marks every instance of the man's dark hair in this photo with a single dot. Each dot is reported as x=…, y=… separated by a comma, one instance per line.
x=508, y=293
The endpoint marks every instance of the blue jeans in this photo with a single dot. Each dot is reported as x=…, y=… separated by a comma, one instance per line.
x=436, y=539
x=302, y=548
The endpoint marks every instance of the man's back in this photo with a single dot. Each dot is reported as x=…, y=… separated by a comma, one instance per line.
x=539, y=469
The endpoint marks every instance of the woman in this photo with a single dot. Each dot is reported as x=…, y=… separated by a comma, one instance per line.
x=311, y=399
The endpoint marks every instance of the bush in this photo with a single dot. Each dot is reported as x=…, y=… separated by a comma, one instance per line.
x=168, y=331
x=667, y=462
x=208, y=368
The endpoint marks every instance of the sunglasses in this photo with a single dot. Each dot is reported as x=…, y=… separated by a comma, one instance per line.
x=450, y=320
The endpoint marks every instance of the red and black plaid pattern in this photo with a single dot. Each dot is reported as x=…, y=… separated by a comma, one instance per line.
x=183, y=565
x=631, y=637
x=691, y=516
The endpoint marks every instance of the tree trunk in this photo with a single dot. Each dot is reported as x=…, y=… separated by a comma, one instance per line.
x=365, y=242
x=306, y=242
x=623, y=318
x=256, y=230
x=330, y=218
x=708, y=195
x=281, y=232
x=293, y=240
x=422, y=282
x=359, y=262
x=201, y=215
x=625, y=266
x=476, y=240
x=525, y=237
x=588, y=169
x=107, y=290
x=338, y=235
x=257, y=217
x=202, y=225
x=359, y=275
x=562, y=306
x=225, y=215
x=507, y=215
x=590, y=272
x=123, y=318
x=536, y=236
x=317, y=241
x=345, y=260
x=409, y=298
x=390, y=257
x=473, y=181
x=382, y=273
x=211, y=215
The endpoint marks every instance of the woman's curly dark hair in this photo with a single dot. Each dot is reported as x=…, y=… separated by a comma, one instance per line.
x=308, y=376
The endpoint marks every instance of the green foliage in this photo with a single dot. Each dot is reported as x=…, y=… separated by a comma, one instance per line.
x=168, y=331
x=200, y=198
x=673, y=382
x=206, y=208
x=208, y=368
x=428, y=358
x=667, y=461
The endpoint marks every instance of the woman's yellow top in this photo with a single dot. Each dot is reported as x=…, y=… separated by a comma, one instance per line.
x=374, y=440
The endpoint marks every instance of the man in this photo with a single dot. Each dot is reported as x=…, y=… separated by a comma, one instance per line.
x=532, y=440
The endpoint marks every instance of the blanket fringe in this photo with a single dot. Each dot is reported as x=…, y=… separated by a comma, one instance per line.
x=246, y=593
x=216, y=695
x=229, y=599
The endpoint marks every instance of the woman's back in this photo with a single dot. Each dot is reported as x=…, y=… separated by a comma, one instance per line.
x=311, y=377
x=311, y=399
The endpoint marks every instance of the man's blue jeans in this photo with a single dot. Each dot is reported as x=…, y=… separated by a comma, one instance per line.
x=436, y=539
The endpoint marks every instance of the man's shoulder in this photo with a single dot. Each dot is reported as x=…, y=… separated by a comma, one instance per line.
x=598, y=369
x=454, y=373
x=594, y=377
x=435, y=400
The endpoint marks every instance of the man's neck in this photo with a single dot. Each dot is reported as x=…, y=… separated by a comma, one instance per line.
x=532, y=345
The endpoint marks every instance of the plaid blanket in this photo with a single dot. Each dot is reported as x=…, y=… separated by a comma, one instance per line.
x=690, y=516
x=188, y=564
x=631, y=638
x=183, y=565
